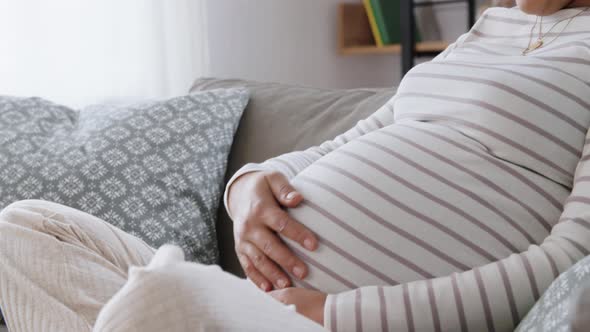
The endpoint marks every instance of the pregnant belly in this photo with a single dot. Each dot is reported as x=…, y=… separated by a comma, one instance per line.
x=417, y=201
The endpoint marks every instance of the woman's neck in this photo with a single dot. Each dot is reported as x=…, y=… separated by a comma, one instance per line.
x=548, y=7
x=579, y=3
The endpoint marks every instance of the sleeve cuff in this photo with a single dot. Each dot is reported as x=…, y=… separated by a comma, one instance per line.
x=328, y=314
x=355, y=308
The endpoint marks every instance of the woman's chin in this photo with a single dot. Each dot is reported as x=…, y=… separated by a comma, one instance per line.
x=533, y=7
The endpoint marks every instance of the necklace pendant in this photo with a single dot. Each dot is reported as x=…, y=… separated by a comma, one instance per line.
x=526, y=50
x=533, y=47
x=536, y=45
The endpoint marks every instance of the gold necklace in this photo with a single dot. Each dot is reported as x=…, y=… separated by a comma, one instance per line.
x=540, y=39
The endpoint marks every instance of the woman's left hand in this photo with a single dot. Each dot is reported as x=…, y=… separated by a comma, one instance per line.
x=309, y=303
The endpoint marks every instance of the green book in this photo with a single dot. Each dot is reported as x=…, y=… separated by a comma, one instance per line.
x=387, y=16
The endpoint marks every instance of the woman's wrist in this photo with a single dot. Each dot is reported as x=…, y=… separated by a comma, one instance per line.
x=232, y=185
x=309, y=303
x=326, y=315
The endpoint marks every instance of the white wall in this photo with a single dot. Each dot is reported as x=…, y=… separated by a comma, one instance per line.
x=294, y=41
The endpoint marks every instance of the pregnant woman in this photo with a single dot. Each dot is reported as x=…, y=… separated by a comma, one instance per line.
x=452, y=208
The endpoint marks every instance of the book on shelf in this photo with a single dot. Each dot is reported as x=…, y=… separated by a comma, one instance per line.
x=373, y=22
x=384, y=17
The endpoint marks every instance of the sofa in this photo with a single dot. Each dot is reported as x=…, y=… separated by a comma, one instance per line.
x=282, y=118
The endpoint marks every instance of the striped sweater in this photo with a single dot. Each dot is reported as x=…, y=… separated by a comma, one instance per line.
x=457, y=203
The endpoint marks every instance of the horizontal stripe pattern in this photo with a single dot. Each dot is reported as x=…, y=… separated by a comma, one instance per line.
x=564, y=116
x=562, y=172
x=514, y=171
x=368, y=242
x=437, y=200
x=523, y=109
x=424, y=218
x=391, y=226
x=400, y=156
x=480, y=177
x=440, y=212
x=473, y=195
x=510, y=116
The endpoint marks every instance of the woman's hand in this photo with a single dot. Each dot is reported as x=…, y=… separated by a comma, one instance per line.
x=309, y=303
x=255, y=202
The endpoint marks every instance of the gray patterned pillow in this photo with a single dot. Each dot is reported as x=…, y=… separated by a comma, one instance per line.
x=555, y=309
x=154, y=169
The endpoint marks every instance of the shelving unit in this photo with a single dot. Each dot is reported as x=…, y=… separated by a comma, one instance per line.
x=356, y=38
x=408, y=21
x=428, y=46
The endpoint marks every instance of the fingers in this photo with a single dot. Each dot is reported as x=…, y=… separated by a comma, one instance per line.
x=262, y=254
x=253, y=274
x=268, y=269
x=290, y=228
x=283, y=295
x=281, y=222
x=282, y=190
x=275, y=249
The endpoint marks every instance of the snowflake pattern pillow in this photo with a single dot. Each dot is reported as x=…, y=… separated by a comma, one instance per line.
x=154, y=170
x=555, y=309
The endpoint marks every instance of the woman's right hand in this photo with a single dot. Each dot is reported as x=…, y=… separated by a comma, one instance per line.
x=255, y=203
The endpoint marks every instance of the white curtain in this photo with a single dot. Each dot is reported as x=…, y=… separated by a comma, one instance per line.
x=80, y=52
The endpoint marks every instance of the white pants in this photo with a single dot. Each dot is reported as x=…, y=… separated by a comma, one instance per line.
x=65, y=270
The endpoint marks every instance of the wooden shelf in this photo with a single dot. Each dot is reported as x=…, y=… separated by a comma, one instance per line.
x=428, y=46
x=356, y=38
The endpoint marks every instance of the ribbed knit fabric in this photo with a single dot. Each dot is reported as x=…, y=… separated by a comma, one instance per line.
x=448, y=209
x=59, y=266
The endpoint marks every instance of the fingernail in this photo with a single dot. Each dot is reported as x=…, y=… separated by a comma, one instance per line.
x=282, y=283
x=298, y=272
x=264, y=286
x=290, y=195
x=308, y=244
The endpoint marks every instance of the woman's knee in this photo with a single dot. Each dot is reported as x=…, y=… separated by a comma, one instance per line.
x=16, y=212
x=30, y=214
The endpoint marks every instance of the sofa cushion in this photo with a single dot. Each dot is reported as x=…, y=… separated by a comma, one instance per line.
x=154, y=169
x=282, y=118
